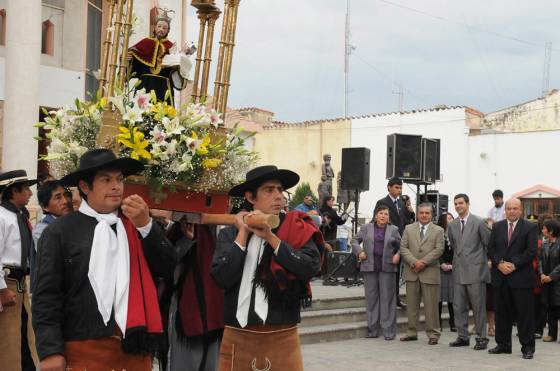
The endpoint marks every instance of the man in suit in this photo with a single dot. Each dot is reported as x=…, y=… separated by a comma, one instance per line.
x=512, y=247
x=398, y=215
x=421, y=247
x=468, y=236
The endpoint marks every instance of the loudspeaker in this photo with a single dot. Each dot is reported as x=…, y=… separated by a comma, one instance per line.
x=429, y=160
x=341, y=264
x=440, y=202
x=438, y=158
x=404, y=156
x=355, y=168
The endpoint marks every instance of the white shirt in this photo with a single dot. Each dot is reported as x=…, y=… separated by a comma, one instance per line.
x=343, y=231
x=425, y=226
x=464, y=220
x=514, y=225
x=10, y=243
x=497, y=213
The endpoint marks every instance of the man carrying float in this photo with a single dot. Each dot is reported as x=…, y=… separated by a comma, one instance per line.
x=265, y=273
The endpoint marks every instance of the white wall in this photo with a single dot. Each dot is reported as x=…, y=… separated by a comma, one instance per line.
x=513, y=162
x=57, y=87
x=448, y=125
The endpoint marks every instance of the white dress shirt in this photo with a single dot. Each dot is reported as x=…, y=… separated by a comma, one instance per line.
x=497, y=213
x=10, y=243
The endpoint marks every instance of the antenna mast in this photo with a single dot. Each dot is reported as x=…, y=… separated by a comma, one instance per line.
x=347, y=51
x=546, y=69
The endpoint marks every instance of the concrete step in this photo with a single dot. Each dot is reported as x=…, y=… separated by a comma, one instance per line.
x=343, y=315
x=337, y=303
x=353, y=330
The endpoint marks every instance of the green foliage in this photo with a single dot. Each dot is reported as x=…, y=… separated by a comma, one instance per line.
x=302, y=190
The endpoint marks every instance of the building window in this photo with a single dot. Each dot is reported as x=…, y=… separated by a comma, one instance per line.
x=3, y=27
x=47, y=39
x=93, y=43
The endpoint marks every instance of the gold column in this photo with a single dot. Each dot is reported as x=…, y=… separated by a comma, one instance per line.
x=106, y=47
x=200, y=47
x=232, y=23
x=115, y=48
x=219, y=68
x=212, y=17
x=124, y=51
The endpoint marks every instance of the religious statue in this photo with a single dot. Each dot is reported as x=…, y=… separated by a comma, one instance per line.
x=156, y=62
x=343, y=196
x=324, y=189
x=326, y=169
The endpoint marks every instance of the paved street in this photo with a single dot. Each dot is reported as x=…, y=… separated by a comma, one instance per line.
x=378, y=354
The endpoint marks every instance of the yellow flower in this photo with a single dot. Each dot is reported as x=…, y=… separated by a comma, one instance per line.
x=134, y=140
x=203, y=149
x=209, y=163
x=170, y=111
x=102, y=103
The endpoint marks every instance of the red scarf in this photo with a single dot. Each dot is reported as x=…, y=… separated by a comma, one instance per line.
x=201, y=306
x=296, y=229
x=143, y=307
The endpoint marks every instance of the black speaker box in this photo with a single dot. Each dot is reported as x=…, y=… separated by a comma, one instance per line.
x=429, y=160
x=440, y=202
x=404, y=156
x=438, y=158
x=341, y=264
x=355, y=168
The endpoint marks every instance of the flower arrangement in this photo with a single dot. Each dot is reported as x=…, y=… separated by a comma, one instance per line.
x=71, y=131
x=186, y=146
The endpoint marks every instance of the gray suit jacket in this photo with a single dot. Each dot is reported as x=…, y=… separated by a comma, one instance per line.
x=470, y=254
x=428, y=250
x=365, y=237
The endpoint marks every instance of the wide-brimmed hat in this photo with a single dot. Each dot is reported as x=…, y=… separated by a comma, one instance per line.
x=10, y=178
x=96, y=159
x=261, y=174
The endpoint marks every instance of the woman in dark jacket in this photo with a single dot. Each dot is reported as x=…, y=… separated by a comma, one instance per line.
x=330, y=220
x=376, y=245
x=549, y=273
x=446, y=269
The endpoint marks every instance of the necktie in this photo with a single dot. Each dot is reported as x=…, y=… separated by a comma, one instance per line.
x=510, y=232
x=396, y=205
x=462, y=225
x=422, y=232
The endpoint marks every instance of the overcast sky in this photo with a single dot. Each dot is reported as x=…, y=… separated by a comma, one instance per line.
x=488, y=55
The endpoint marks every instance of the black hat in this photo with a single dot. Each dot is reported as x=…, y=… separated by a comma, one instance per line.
x=96, y=159
x=261, y=174
x=9, y=178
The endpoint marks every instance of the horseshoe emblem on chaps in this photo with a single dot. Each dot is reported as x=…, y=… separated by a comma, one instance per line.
x=267, y=368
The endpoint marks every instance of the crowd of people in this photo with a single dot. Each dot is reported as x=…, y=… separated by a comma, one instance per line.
x=495, y=266
x=103, y=282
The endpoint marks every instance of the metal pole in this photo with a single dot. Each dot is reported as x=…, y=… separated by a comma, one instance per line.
x=107, y=44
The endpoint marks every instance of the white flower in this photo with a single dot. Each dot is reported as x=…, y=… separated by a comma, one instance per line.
x=172, y=127
x=215, y=119
x=118, y=102
x=171, y=148
x=143, y=100
x=158, y=135
x=192, y=144
x=133, y=114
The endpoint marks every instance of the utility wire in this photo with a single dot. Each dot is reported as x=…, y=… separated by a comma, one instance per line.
x=474, y=28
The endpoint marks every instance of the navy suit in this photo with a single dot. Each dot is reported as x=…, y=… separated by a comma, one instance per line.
x=513, y=293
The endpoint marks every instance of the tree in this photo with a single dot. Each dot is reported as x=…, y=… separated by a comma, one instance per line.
x=302, y=190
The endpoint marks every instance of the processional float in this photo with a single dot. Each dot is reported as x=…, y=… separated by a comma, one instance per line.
x=210, y=207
